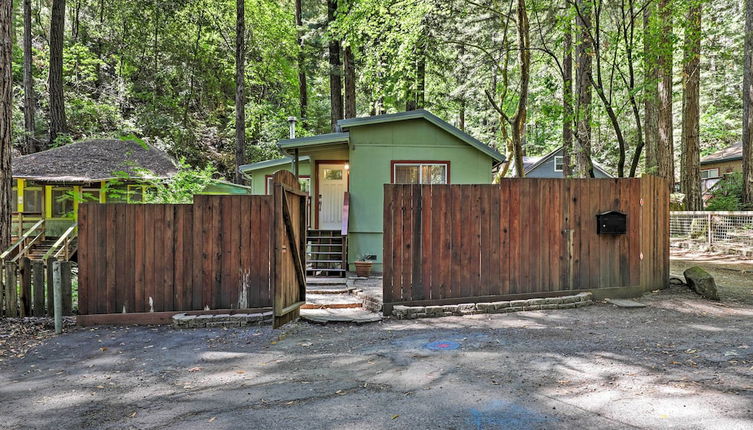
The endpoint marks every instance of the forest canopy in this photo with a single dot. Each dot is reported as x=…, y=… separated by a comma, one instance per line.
x=165, y=71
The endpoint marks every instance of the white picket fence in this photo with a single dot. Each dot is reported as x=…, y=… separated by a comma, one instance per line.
x=719, y=231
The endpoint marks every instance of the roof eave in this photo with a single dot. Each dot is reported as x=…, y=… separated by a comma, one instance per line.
x=322, y=139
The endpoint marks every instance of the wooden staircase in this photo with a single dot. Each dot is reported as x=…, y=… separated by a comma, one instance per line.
x=35, y=245
x=326, y=254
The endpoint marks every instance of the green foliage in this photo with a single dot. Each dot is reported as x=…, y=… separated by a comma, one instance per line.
x=180, y=188
x=727, y=194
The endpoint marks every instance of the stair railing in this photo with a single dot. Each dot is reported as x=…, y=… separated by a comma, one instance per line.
x=25, y=242
x=64, y=246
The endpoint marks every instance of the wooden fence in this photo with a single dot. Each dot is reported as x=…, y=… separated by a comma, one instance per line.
x=27, y=288
x=522, y=238
x=159, y=258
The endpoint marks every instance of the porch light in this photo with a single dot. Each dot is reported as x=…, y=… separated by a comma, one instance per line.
x=347, y=166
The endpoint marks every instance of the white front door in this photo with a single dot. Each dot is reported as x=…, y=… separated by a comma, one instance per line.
x=333, y=183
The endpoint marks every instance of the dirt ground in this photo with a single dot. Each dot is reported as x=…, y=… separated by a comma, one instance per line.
x=681, y=362
x=733, y=274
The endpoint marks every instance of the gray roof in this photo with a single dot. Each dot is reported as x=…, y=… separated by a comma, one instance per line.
x=423, y=114
x=94, y=160
x=534, y=162
x=730, y=153
x=270, y=163
x=320, y=139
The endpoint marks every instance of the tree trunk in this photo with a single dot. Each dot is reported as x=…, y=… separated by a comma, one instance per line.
x=651, y=79
x=6, y=122
x=567, y=101
x=691, y=79
x=240, y=95
x=350, y=83
x=665, y=147
x=57, y=99
x=302, y=84
x=583, y=78
x=335, y=71
x=30, y=145
x=421, y=73
x=748, y=108
x=524, y=59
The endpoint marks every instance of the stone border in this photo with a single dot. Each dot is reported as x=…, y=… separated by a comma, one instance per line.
x=565, y=302
x=220, y=320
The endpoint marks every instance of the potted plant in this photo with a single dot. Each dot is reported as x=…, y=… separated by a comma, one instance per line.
x=363, y=265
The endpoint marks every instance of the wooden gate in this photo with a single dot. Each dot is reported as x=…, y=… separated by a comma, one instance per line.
x=290, y=248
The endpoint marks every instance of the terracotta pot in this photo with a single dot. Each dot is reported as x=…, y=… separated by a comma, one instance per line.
x=363, y=268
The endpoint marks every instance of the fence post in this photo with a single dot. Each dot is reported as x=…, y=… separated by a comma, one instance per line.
x=708, y=226
x=37, y=277
x=58, y=296
x=25, y=297
x=11, y=286
x=65, y=268
x=50, y=294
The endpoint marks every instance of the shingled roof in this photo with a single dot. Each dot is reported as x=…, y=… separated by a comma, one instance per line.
x=93, y=160
x=730, y=153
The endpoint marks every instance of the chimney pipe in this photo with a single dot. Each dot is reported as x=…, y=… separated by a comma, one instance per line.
x=292, y=120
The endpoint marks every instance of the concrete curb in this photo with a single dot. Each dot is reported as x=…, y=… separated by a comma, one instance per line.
x=566, y=302
x=220, y=320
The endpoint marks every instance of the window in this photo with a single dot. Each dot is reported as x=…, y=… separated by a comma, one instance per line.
x=90, y=195
x=135, y=193
x=33, y=200
x=304, y=181
x=710, y=173
x=420, y=173
x=62, y=202
x=559, y=163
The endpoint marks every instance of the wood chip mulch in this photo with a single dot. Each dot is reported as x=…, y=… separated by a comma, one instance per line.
x=19, y=335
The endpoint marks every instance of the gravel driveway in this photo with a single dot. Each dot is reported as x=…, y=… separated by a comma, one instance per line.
x=681, y=362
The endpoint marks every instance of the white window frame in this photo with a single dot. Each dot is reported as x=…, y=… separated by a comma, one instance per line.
x=707, y=171
x=446, y=166
x=562, y=163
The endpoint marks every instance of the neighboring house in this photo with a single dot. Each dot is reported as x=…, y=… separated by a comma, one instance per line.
x=368, y=152
x=550, y=166
x=715, y=166
x=261, y=173
x=51, y=184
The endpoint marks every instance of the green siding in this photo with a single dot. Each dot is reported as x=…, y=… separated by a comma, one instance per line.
x=373, y=147
x=258, y=176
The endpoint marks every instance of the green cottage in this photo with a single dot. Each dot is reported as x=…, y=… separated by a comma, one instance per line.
x=347, y=170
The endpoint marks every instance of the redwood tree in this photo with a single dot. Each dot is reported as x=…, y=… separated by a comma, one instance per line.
x=335, y=70
x=567, y=99
x=240, y=95
x=650, y=78
x=747, y=106
x=690, y=162
x=665, y=148
x=57, y=99
x=6, y=123
x=29, y=103
x=583, y=78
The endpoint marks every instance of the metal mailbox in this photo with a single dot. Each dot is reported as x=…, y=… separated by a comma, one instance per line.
x=611, y=222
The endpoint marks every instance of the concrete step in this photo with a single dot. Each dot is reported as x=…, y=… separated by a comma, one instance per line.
x=353, y=316
x=332, y=301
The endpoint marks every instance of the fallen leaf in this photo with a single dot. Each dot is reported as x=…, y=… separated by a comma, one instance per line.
x=133, y=414
x=194, y=369
x=394, y=417
x=240, y=372
x=212, y=419
x=104, y=348
x=100, y=386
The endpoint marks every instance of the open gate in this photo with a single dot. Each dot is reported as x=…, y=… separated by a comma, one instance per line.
x=289, y=275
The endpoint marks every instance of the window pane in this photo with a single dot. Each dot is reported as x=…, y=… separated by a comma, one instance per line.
x=14, y=200
x=62, y=202
x=90, y=196
x=406, y=174
x=558, y=163
x=305, y=184
x=33, y=200
x=135, y=194
x=269, y=185
x=437, y=174
x=333, y=174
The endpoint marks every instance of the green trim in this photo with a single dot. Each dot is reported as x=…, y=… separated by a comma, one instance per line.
x=271, y=163
x=428, y=116
x=722, y=160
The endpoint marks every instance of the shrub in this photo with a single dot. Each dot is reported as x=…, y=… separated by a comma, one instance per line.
x=727, y=194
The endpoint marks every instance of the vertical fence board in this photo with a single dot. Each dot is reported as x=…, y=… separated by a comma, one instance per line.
x=526, y=236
